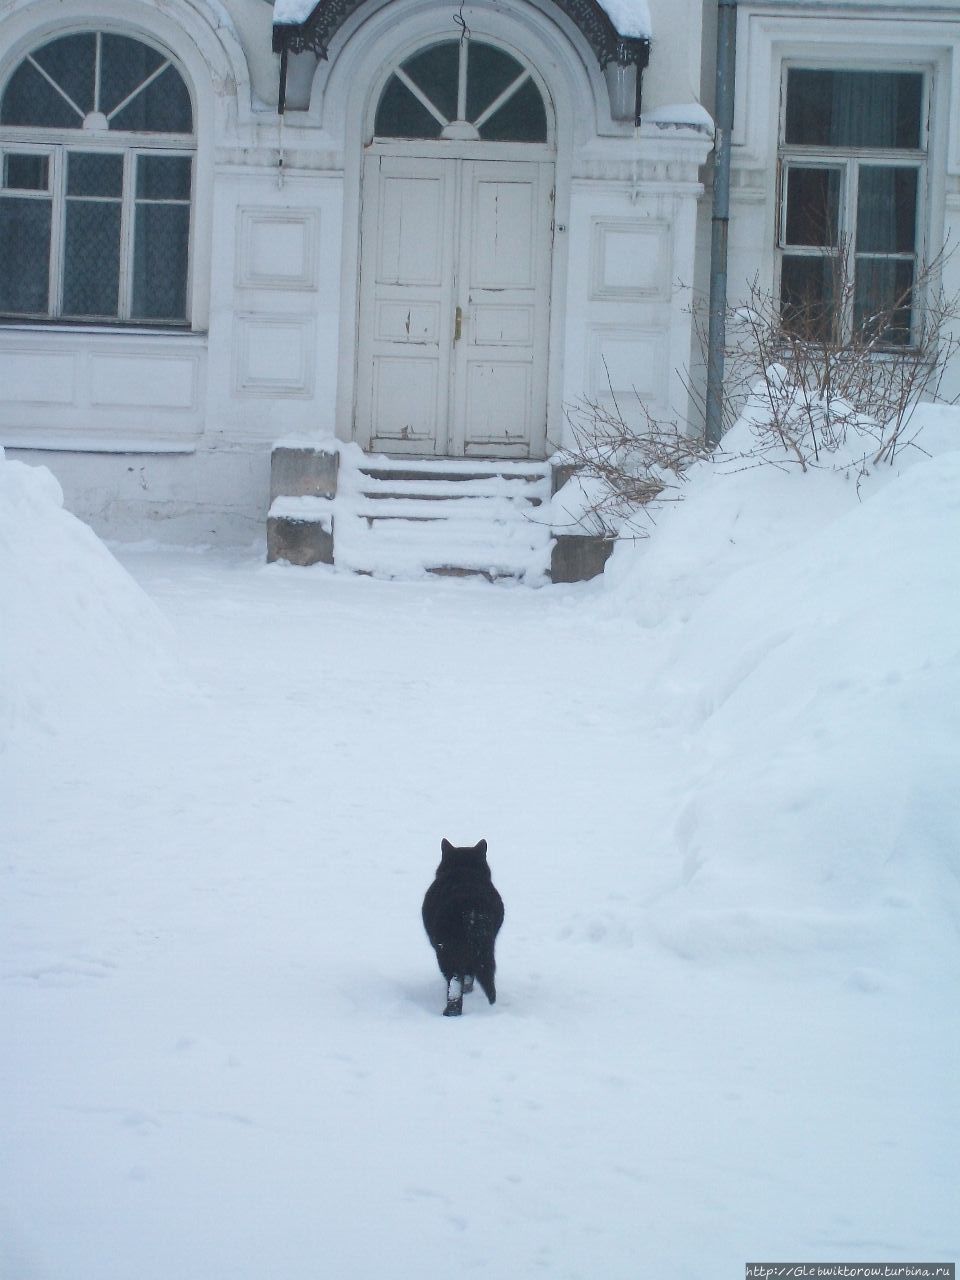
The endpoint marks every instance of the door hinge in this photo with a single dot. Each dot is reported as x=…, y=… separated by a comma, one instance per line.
x=458, y=325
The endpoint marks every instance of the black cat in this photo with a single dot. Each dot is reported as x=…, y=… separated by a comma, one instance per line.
x=462, y=914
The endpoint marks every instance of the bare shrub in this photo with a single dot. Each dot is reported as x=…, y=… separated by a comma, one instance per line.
x=826, y=385
x=623, y=471
x=821, y=381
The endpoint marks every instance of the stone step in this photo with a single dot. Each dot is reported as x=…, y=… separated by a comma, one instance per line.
x=453, y=469
x=531, y=492
x=406, y=517
x=436, y=508
x=409, y=547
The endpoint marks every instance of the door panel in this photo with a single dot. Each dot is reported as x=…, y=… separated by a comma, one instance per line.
x=405, y=396
x=410, y=247
x=498, y=403
x=406, y=301
x=500, y=370
x=443, y=238
x=504, y=226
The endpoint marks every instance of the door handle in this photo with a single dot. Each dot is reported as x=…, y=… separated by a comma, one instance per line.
x=458, y=325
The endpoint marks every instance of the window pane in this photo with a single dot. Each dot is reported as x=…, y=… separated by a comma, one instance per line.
x=89, y=174
x=807, y=288
x=489, y=72
x=25, y=260
x=162, y=107
x=163, y=177
x=70, y=61
x=522, y=118
x=160, y=262
x=30, y=100
x=854, y=108
x=882, y=302
x=813, y=206
x=124, y=65
x=26, y=173
x=887, y=210
x=436, y=72
x=91, y=274
x=400, y=115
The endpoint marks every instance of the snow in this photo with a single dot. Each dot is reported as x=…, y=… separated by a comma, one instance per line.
x=629, y=17
x=681, y=115
x=404, y=528
x=719, y=790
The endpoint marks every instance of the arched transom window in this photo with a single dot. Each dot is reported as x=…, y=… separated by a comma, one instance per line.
x=96, y=147
x=462, y=89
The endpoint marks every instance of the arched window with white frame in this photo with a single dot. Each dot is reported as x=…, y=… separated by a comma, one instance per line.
x=97, y=147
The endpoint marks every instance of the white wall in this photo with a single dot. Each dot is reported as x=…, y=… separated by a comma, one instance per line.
x=168, y=435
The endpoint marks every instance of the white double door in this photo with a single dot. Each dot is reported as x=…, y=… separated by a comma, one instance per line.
x=454, y=305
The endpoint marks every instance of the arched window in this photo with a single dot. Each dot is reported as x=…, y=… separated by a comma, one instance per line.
x=96, y=147
x=462, y=89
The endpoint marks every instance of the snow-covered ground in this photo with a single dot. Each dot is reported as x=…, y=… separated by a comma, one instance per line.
x=720, y=789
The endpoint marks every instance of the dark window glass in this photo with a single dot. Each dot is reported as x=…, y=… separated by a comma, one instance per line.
x=882, y=299
x=163, y=177
x=91, y=274
x=807, y=286
x=124, y=65
x=31, y=100
x=854, y=108
x=435, y=71
x=401, y=115
x=887, y=210
x=162, y=107
x=25, y=256
x=71, y=62
x=26, y=173
x=489, y=72
x=813, y=206
x=92, y=174
x=160, y=262
x=522, y=118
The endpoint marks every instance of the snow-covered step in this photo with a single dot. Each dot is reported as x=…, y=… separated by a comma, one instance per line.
x=407, y=517
x=411, y=548
x=534, y=490
x=435, y=507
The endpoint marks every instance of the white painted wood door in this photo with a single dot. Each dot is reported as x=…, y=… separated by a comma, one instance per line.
x=454, y=306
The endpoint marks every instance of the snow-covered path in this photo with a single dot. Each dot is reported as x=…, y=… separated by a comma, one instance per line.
x=225, y=1056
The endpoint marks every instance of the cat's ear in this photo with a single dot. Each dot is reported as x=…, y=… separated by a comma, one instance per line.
x=445, y=847
x=481, y=848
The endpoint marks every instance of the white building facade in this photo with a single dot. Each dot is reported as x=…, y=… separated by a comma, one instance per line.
x=455, y=232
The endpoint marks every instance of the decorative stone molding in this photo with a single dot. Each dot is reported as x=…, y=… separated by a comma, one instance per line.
x=639, y=172
x=328, y=16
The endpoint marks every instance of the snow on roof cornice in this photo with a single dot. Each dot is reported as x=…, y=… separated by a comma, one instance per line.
x=631, y=18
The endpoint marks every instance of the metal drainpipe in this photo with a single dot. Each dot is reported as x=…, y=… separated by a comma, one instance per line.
x=716, y=332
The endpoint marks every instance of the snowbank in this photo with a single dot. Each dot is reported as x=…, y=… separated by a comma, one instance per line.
x=809, y=644
x=78, y=634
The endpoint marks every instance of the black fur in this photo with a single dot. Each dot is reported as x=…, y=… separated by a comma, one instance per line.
x=462, y=914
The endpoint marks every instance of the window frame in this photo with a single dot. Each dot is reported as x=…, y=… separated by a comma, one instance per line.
x=57, y=143
x=849, y=161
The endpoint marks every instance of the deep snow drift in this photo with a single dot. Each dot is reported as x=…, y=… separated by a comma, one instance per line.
x=719, y=789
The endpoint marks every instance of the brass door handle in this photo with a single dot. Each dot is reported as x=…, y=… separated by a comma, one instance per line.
x=458, y=325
